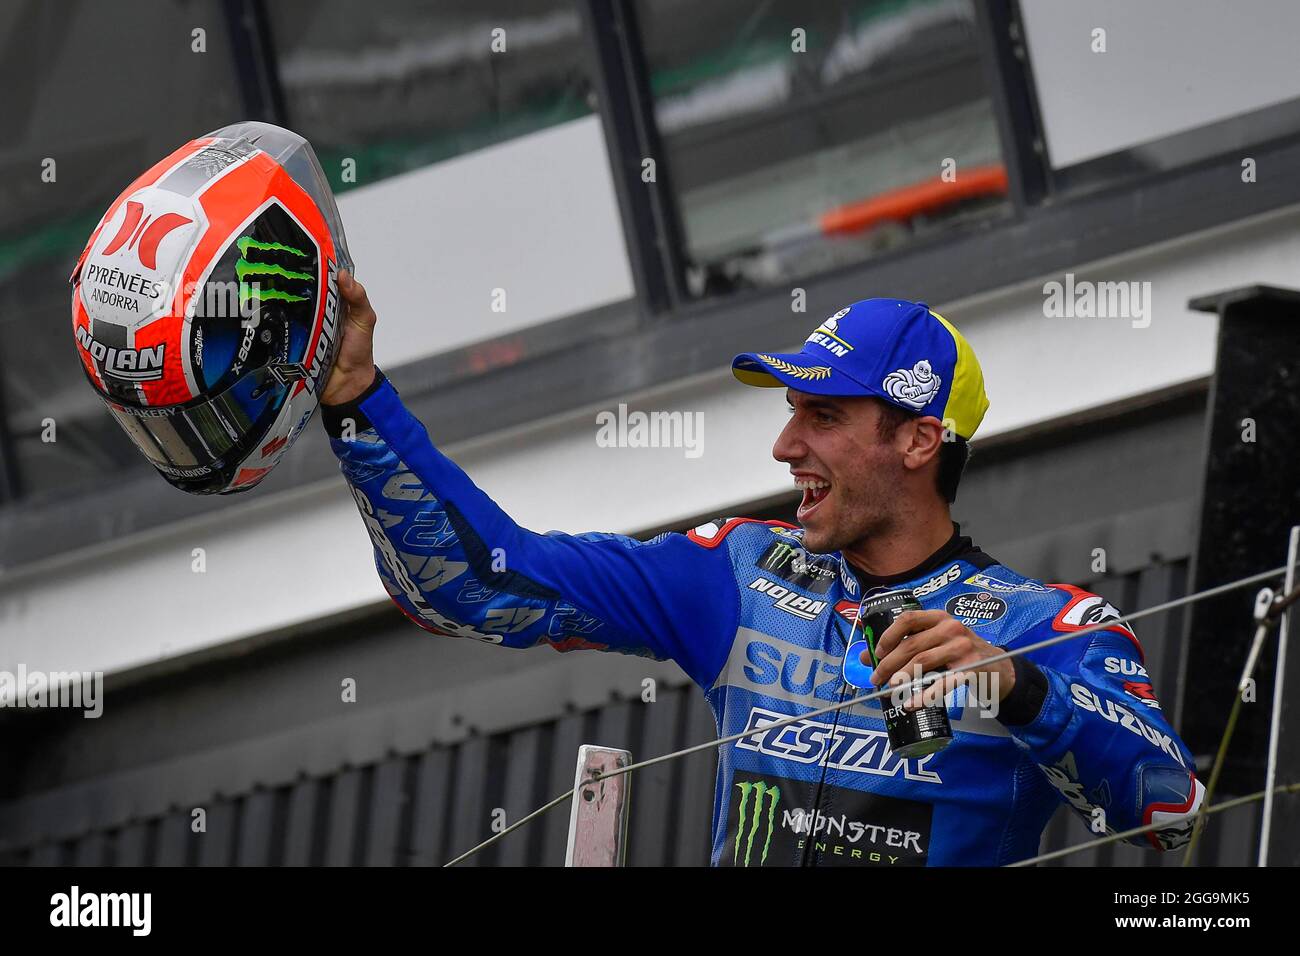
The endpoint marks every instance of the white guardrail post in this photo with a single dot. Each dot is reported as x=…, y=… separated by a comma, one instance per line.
x=598, y=814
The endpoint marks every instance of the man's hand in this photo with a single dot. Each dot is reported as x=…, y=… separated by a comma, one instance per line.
x=354, y=368
x=936, y=641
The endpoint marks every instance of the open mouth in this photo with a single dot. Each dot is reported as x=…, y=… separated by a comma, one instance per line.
x=815, y=491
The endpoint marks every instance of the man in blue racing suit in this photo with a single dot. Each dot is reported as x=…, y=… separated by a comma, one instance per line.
x=883, y=397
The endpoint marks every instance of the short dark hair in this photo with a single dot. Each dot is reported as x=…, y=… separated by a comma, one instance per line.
x=953, y=455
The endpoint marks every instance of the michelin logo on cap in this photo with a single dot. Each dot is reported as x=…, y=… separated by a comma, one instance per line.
x=827, y=335
x=914, y=388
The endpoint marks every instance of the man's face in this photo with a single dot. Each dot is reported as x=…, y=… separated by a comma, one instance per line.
x=849, y=475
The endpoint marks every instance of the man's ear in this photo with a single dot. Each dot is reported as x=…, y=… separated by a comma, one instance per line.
x=925, y=440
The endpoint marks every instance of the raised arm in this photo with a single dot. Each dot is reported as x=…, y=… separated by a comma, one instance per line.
x=458, y=565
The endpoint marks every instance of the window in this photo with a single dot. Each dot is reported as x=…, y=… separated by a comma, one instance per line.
x=1129, y=88
x=94, y=94
x=401, y=84
x=800, y=137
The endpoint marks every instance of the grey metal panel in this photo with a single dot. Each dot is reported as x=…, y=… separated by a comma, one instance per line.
x=91, y=850
x=388, y=797
x=1159, y=633
x=144, y=759
x=174, y=839
x=133, y=846
x=1174, y=859
x=132, y=843
x=523, y=771
x=693, y=841
x=216, y=844
x=429, y=815
x=1126, y=855
x=300, y=823
x=471, y=807
x=566, y=738
x=342, y=834
x=255, y=833
x=614, y=728
x=46, y=854
x=653, y=796
x=1235, y=835
x=1075, y=833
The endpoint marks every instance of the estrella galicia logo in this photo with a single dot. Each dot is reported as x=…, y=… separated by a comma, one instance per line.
x=793, y=564
x=978, y=608
x=756, y=819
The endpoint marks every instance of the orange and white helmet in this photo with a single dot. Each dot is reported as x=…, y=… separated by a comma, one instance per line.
x=205, y=305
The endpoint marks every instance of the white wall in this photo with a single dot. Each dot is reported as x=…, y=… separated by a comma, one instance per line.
x=298, y=556
x=535, y=216
x=1169, y=66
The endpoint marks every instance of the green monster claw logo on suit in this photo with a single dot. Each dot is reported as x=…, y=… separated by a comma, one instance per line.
x=760, y=791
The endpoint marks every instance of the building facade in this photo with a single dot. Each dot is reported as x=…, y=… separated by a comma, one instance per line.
x=574, y=208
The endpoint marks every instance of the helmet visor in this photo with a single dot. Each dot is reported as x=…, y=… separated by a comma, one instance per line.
x=191, y=441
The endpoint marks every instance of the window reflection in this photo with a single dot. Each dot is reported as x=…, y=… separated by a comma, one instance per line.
x=802, y=137
x=397, y=85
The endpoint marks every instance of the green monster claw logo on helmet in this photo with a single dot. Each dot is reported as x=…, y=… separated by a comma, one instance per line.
x=753, y=814
x=250, y=291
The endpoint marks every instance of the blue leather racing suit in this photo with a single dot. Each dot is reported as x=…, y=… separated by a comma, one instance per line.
x=761, y=626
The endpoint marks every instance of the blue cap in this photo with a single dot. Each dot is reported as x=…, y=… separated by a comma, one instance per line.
x=898, y=351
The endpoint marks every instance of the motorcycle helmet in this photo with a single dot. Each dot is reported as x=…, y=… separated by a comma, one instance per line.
x=205, y=306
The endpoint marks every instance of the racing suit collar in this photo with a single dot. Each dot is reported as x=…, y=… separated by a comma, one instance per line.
x=957, y=546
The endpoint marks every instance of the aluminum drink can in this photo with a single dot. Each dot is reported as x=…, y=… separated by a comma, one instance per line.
x=911, y=733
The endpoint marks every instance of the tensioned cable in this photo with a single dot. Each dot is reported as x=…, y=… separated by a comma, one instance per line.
x=514, y=826
x=1126, y=834
x=876, y=695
